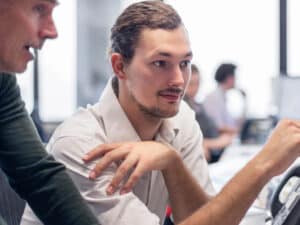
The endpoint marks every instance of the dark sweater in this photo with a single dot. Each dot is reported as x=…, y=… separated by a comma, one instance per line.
x=32, y=173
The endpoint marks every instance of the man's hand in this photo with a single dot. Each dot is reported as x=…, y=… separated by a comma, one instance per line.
x=280, y=151
x=140, y=157
x=282, y=147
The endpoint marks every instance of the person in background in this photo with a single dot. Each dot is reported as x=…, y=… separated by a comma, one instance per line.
x=214, y=141
x=215, y=102
x=32, y=173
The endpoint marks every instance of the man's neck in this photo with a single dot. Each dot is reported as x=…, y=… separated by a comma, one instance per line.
x=145, y=125
x=223, y=87
x=1, y=67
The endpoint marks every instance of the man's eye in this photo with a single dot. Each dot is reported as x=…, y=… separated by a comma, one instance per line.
x=185, y=64
x=160, y=63
x=41, y=9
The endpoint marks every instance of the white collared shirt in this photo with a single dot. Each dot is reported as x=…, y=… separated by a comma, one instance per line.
x=106, y=122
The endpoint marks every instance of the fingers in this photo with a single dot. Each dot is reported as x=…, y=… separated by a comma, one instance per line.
x=106, y=160
x=133, y=179
x=290, y=122
x=99, y=151
x=122, y=171
x=297, y=124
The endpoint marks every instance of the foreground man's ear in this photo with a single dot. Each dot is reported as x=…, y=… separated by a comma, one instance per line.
x=117, y=63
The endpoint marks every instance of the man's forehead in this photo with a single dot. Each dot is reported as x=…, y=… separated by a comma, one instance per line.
x=55, y=2
x=167, y=43
x=10, y=3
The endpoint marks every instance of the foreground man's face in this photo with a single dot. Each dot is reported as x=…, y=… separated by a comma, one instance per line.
x=159, y=71
x=24, y=25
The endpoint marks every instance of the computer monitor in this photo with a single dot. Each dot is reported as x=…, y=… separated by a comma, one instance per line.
x=286, y=92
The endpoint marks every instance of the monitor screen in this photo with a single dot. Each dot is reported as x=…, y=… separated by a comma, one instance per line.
x=286, y=93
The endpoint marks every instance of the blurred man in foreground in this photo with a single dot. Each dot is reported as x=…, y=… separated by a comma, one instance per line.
x=35, y=176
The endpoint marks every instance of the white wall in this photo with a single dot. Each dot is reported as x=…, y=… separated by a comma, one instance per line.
x=58, y=66
x=241, y=32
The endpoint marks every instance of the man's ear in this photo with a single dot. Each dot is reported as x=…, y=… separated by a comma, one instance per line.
x=117, y=63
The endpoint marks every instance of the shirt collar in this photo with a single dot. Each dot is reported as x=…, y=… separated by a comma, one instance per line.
x=117, y=126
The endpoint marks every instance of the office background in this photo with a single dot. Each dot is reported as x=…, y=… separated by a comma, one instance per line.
x=260, y=37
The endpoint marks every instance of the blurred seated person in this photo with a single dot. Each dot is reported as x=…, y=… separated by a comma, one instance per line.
x=214, y=141
x=215, y=102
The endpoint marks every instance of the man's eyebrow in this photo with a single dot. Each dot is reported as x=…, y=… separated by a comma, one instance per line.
x=166, y=54
x=189, y=54
x=53, y=1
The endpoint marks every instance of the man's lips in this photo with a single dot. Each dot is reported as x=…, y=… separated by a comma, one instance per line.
x=31, y=46
x=171, y=97
x=29, y=52
x=171, y=94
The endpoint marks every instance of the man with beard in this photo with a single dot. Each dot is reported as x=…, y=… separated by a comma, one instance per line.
x=150, y=56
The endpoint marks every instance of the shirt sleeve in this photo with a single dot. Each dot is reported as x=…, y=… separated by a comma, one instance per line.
x=32, y=173
x=125, y=209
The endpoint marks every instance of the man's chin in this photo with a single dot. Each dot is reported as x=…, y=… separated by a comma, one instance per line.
x=170, y=111
x=12, y=70
x=168, y=114
x=20, y=68
x=171, y=115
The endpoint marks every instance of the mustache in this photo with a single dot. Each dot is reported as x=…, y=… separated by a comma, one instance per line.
x=175, y=90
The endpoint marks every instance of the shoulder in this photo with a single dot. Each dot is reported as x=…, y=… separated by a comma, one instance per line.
x=78, y=134
x=11, y=104
x=185, y=121
x=83, y=123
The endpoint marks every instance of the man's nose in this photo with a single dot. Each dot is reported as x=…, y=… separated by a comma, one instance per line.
x=177, y=78
x=48, y=30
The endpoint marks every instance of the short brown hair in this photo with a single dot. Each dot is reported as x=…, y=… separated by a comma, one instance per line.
x=224, y=71
x=142, y=15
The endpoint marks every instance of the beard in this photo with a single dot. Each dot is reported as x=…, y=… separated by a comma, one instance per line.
x=154, y=112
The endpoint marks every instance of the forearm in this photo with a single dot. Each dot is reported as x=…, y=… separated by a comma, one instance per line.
x=57, y=201
x=35, y=175
x=230, y=205
x=228, y=130
x=38, y=178
x=185, y=193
